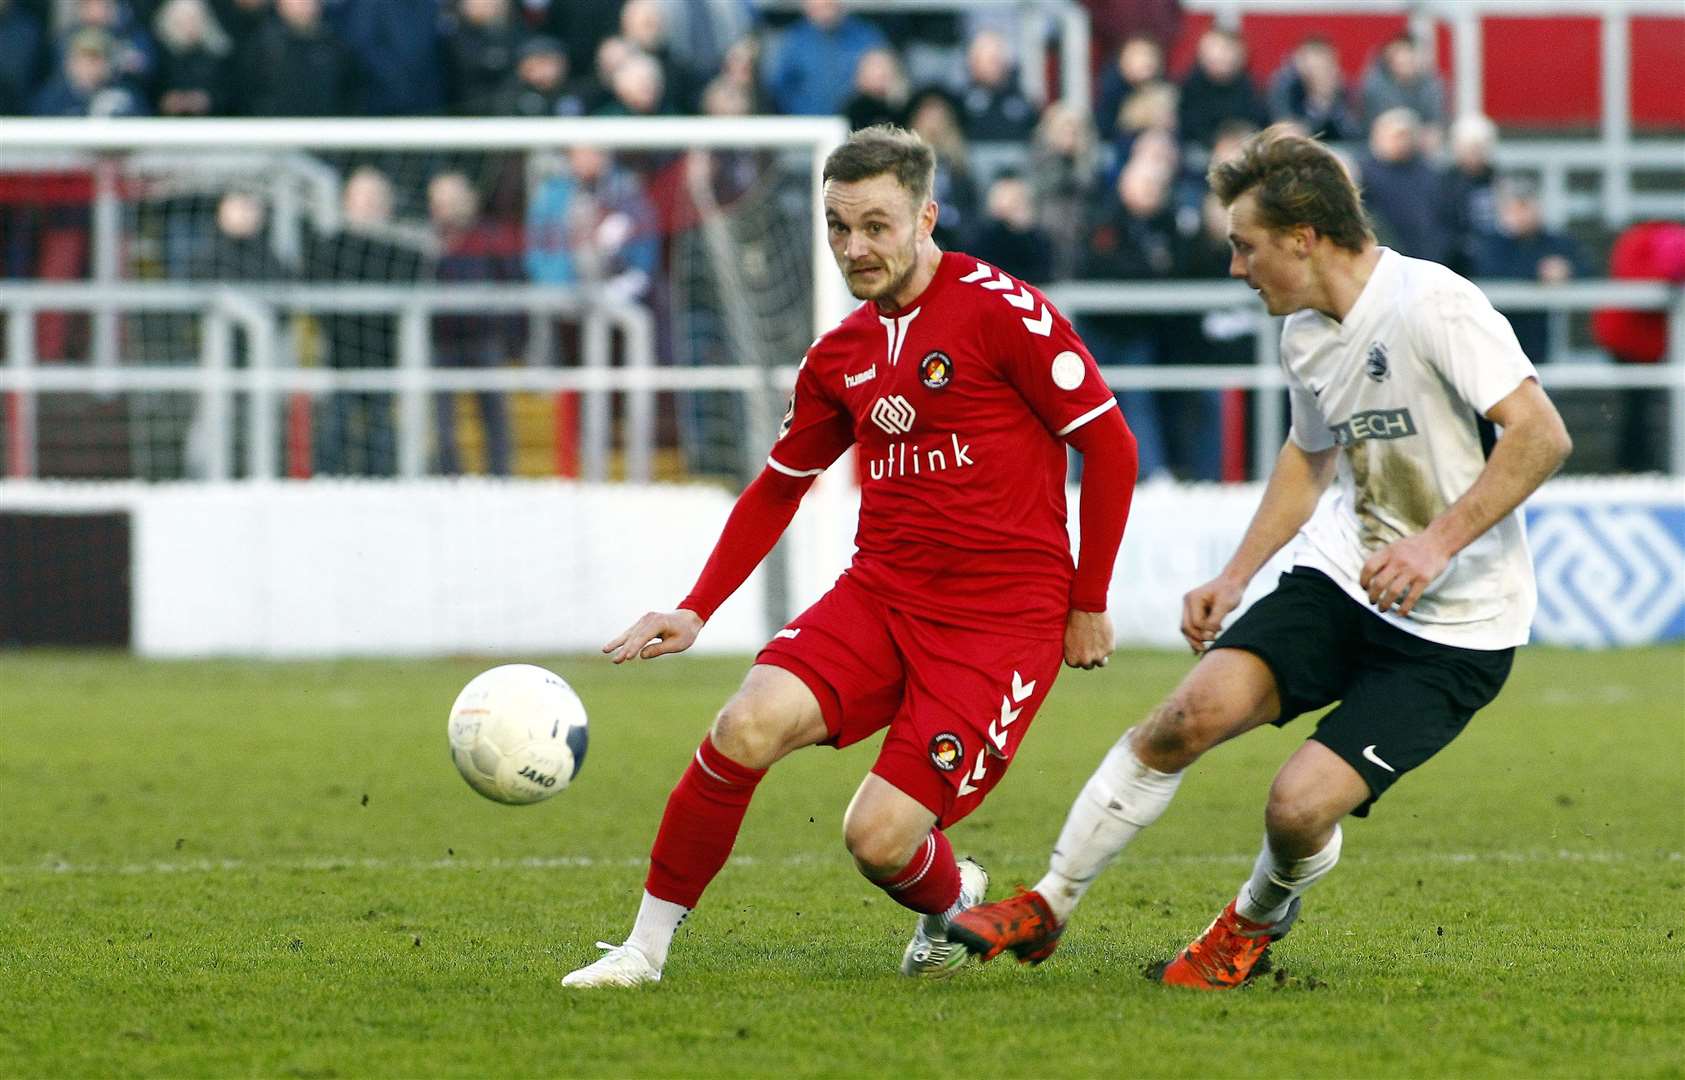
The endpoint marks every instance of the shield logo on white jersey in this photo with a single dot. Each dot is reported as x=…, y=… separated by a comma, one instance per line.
x=894, y=414
x=1375, y=364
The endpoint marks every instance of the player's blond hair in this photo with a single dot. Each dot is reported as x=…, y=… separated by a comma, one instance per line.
x=1296, y=180
x=885, y=148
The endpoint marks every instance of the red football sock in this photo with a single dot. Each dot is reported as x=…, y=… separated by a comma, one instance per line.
x=930, y=883
x=703, y=815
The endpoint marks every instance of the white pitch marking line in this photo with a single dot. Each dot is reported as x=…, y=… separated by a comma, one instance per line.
x=561, y=862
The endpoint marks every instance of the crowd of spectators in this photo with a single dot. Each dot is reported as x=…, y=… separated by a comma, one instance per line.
x=1047, y=192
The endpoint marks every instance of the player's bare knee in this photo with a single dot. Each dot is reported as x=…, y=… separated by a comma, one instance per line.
x=746, y=734
x=877, y=851
x=1298, y=821
x=1175, y=734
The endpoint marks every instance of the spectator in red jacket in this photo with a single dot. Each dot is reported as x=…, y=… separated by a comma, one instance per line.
x=1652, y=250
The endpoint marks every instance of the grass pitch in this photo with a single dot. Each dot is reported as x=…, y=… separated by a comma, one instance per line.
x=273, y=870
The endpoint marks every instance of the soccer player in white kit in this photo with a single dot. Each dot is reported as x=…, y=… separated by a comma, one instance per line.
x=1411, y=583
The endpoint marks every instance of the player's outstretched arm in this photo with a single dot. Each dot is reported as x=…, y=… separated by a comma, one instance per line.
x=656, y=634
x=1535, y=443
x=1299, y=479
x=758, y=519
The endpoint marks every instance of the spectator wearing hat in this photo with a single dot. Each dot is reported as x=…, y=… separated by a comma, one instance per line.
x=86, y=83
x=131, y=52
x=580, y=25
x=539, y=84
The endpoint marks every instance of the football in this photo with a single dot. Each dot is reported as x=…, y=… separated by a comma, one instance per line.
x=518, y=734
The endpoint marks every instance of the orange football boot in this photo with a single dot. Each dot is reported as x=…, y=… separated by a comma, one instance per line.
x=1231, y=950
x=1022, y=922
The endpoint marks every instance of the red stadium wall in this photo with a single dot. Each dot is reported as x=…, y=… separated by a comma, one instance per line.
x=1658, y=73
x=1541, y=73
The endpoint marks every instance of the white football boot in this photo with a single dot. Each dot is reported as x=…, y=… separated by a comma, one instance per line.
x=930, y=955
x=621, y=965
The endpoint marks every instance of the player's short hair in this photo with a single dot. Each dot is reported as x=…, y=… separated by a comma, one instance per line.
x=1296, y=181
x=885, y=148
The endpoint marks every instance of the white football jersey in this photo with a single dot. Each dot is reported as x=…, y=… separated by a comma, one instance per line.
x=1402, y=386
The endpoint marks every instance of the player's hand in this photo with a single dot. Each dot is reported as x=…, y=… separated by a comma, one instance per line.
x=1205, y=608
x=1088, y=639
x=1398, y=574
x=656, y=634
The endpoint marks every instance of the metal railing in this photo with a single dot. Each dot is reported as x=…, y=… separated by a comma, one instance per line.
x=1119, y=298
x=271, y=372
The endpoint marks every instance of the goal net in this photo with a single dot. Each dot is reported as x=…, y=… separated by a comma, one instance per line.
x=597, y=298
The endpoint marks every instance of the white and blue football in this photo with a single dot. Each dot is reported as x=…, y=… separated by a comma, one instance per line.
x=518, y=734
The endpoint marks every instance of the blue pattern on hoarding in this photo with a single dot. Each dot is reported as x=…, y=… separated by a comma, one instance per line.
x=1610, y=574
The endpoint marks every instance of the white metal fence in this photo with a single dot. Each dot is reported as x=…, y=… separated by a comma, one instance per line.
x=271, y=372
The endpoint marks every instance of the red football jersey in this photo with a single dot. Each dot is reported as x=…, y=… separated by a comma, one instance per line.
x=959, y=402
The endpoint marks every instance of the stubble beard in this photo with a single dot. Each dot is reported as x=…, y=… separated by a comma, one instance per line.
x=884, y=295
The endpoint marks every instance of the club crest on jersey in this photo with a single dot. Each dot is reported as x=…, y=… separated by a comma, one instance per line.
x=947, y=751
x=1375, y=364
x=936, y=370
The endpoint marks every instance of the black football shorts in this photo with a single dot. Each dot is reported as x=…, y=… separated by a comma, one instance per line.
x=1402, y=698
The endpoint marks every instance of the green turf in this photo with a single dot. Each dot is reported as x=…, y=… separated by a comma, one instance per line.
x=236, y=869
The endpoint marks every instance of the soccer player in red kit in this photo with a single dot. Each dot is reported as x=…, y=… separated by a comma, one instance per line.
x=962, y=387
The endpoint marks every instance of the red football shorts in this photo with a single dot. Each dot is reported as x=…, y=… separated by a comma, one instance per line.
x=957, y=701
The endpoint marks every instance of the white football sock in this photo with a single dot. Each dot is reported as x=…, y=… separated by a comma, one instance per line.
x=1275, y=881
x=1120, y=799
x=658, y=921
